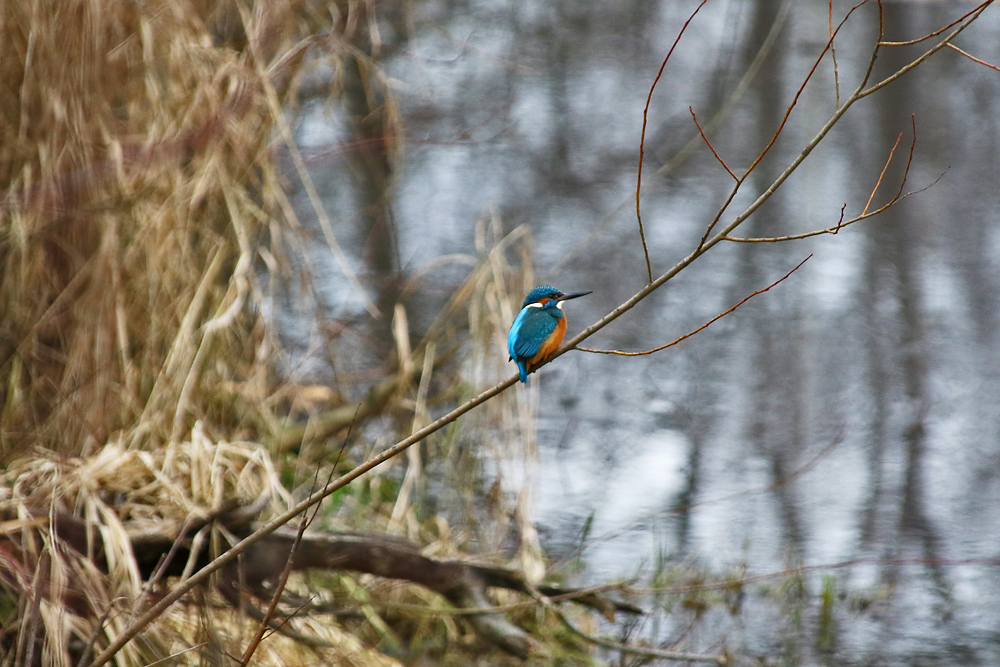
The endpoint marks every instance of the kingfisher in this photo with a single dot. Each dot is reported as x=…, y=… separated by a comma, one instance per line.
x=539, y=328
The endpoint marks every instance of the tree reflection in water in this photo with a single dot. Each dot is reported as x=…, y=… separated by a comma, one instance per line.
x=852, y=412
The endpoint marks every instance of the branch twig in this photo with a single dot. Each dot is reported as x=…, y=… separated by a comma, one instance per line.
x=703, y=326
x=642, y=138
x=710, y=147
x=973, y=58
x=899, y=196
x=625, y=648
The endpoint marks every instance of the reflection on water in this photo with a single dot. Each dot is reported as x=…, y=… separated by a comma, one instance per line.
x=850, y=413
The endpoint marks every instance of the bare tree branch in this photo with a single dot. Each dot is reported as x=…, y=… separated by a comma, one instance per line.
x=703, y=326
x=973, y=58
x=642, y=138
x=962, y=23
x=710, y=147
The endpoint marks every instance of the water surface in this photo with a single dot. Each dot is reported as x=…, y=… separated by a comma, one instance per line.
x=850, y=413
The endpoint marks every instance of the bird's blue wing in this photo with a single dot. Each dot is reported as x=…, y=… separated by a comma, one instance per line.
x=531, y=328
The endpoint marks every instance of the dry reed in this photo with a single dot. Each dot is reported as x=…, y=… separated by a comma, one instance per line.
x=88, y=595
x=137, y=182
x=139, y=197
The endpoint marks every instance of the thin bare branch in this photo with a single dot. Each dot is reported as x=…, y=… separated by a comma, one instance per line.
x=973, y=58
x=710, y=147
x=703, y=326
x=642, y=137
x=899, y=196
x=840, y=225
x=703, y=243
x=833, y=54
x=882, y=174
x=651, y=652
x=963, y=23
x=806, y=569
x=931, y=35
x=265, y=623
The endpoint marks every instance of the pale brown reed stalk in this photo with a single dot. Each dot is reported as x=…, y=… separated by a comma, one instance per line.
x=137, y=181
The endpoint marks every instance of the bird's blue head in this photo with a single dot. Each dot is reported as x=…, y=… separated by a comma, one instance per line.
x=547, y=293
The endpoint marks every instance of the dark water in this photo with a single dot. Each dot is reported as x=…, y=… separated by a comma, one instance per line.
x=853, y=412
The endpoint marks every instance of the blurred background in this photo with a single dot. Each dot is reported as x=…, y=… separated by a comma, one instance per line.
x=850, y=414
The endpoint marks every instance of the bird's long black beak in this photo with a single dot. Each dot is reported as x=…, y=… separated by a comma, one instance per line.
x=567, y=297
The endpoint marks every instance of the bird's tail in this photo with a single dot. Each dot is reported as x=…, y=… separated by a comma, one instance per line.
x=522, y=368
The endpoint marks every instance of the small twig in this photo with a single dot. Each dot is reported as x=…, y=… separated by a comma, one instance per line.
x=703, y=326
x=964, y=22
x=94, y=636
x=161, y=566
x=899, y=196
x=972, y=57
x=642, y=137
x=265, y=623
x=882, y=174
x=939, y=31
x=833, y=54
x=840, y=222
x=624, y=648
x=710, y=147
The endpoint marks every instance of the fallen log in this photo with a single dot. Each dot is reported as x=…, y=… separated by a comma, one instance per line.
x=167, y=549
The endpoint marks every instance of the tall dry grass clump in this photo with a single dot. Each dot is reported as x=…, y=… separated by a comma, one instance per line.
x=136, y=184
x=69, y=579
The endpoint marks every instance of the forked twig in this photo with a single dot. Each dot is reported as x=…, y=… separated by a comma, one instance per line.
x=642, y=137
x=865, y=214
x=710, y=147
x=929, y=35
x=703, y=243
x=702, y=327
x=962, y=23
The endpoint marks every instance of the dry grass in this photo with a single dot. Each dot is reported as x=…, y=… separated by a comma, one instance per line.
x=139, y=197
x=138, y=193
x=136, y=184
x=55, y=591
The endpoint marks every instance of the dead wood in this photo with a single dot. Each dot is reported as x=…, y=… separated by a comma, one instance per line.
x=164, y=549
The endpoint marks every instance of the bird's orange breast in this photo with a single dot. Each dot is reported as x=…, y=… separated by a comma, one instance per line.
x=550, y=346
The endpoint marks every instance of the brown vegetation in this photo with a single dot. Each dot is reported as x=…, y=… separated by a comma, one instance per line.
x=137, y=180
x=138, y=197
